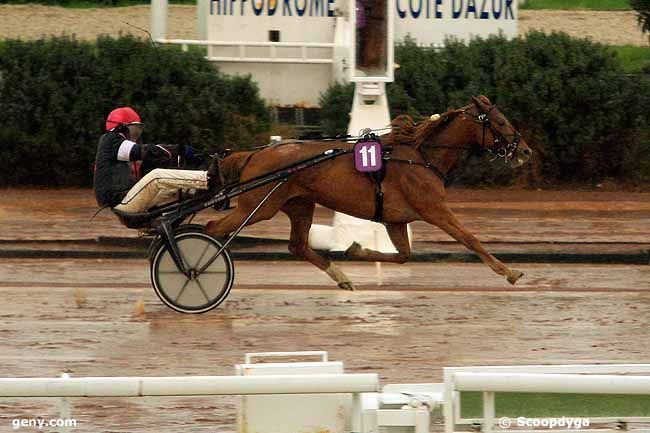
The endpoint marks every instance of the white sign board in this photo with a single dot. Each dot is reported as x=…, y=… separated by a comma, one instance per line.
x=252, y=20
x=431, y=21
x=294, y=49
x=427, y=21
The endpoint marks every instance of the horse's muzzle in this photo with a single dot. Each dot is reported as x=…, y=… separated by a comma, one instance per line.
x=521, y=157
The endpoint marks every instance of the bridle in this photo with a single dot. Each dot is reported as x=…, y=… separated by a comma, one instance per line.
x=501, y=147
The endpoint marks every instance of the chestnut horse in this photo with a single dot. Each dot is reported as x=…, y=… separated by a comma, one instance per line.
x=414, y=185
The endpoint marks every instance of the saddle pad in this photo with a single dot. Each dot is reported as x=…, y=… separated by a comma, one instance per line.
x=367, y=156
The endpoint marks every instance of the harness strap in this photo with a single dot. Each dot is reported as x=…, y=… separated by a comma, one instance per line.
x=378, y=178
x=446, y=180
x=379, y=204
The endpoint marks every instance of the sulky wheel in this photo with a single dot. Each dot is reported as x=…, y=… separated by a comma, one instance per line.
x=202, y=290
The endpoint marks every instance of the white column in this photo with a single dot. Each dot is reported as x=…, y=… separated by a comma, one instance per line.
x=202, y=13
x=159, y=11
x=65, y=412
x=488, y=412
x=347, y=229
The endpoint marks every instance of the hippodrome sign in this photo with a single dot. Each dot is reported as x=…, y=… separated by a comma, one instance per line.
x=427, y=21
x=294, y=49
x=416, y=9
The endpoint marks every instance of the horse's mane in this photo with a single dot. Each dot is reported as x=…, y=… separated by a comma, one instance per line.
x=405, y=131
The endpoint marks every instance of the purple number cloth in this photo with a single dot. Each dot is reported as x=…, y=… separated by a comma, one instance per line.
x=367, y=156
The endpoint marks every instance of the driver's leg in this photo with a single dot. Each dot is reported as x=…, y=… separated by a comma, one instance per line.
x=161, y=186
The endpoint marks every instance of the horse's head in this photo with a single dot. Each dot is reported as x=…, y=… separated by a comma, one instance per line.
x=443, y=138
x=495, y=134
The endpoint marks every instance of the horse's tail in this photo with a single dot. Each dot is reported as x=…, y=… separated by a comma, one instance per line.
x=232, y=166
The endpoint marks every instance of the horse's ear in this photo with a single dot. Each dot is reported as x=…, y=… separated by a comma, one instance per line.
x=482, y=102
x=485, y=99
x=403, y=121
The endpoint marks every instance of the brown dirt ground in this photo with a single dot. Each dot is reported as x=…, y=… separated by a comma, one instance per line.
x=504, y=215
x=34, y=21
x=100, y=317
x=611, y=27
x=88, y=323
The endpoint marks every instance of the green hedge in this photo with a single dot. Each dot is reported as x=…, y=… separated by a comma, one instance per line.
x=584, y=118
x=599, y=5
x=642, y=8
x=56, y=94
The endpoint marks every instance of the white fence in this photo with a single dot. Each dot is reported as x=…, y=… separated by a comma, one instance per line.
x=398, y=406
x=632, y=379
x=65, y=386
x=188, y=385
x=274, y=51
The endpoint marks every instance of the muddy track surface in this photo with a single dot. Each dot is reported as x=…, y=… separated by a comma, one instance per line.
x=99, y=317
x=102, y=319
x=34, y=21
x=506, y=215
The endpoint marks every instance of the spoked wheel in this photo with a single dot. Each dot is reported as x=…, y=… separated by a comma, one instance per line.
x=205, y=288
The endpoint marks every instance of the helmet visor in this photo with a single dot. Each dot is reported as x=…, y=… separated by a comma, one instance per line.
x=136, y=125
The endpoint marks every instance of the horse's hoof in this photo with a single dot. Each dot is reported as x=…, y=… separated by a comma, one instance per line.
x=353, y=250
x=514, y=276
x=347, y=285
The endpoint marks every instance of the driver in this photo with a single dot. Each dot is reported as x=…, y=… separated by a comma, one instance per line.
x=116, y=186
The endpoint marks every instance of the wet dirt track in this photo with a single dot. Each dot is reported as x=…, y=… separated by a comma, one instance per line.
x=85, y=317
x=87, y=322
x=498, y=215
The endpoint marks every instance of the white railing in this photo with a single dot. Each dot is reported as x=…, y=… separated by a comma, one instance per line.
x=188, y=385
x=320, y=353
x=630, y=379
x=272, y=57
x=574, y=379
x=66, y=386
x=552, y=383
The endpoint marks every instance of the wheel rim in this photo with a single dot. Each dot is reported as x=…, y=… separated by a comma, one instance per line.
x=202, y=291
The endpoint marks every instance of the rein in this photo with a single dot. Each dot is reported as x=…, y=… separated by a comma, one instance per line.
x=501, y=148
x=443, y=176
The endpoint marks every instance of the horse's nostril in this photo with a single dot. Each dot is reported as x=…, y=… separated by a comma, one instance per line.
x=528, y=152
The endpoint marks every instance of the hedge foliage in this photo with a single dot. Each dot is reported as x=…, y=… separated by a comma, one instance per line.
x=584, y=118
x=56, y=94
x=642, y=8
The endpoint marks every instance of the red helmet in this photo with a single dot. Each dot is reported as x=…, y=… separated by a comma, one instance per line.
x=122, y=116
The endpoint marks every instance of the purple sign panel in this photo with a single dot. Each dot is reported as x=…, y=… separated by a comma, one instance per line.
x=367, y=156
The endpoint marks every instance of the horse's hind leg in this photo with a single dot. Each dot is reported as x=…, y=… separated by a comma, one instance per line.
x=398, y=234
x=301, y=214
x=234, y=218
x=441, y=216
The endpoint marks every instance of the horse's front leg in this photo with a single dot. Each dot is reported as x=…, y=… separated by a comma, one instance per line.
x=440, y=215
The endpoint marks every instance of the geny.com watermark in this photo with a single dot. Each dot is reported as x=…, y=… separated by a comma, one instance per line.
x=42, y=423
x=550, y=423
